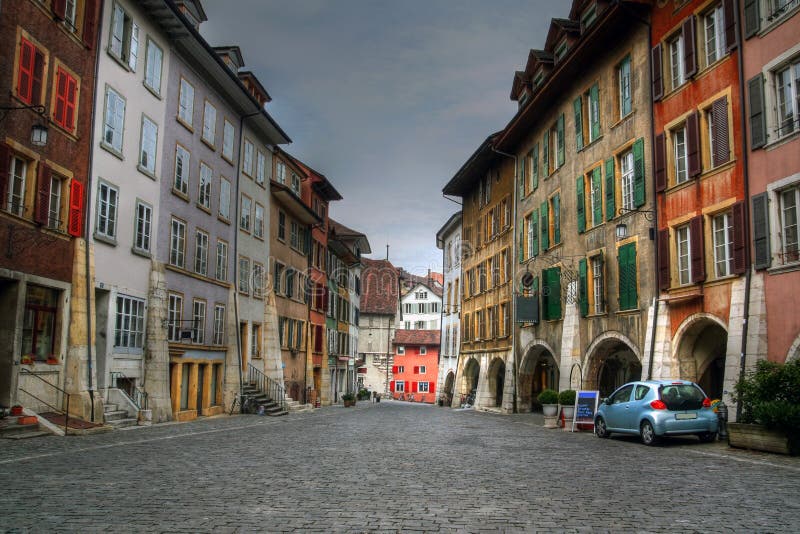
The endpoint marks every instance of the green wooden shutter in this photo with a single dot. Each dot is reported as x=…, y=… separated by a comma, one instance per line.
x=597, y=200
x=544, y=226
x=554, y=301
x=546, y=154
x=556, y=219
x=535, y=236
x=594, y=96
x=752, y=18
x=536, y=300
x=581, y=207
x=762, y=254
x=584, y=289
x=578, y=106
x=521, y=177
x=611, y=206
x=521, y=241
x=758, y=117
x=626, y=260
x=638, y=173
x=545, y=294
x=560, y=140
x=535, y=164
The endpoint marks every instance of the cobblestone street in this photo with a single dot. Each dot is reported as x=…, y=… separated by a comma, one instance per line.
x=388, y=467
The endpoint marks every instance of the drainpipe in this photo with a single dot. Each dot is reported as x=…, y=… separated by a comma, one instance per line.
x=657, y=282
x=513, y=281
x=236, y=248
x=745, y=163
x=86, y=230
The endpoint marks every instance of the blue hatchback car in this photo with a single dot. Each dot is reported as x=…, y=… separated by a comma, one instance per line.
x=656, y=408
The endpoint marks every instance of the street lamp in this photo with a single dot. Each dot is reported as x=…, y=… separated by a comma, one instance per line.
x=621, y=230
x=39, y=128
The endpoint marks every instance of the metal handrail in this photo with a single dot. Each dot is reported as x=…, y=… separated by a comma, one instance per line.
x=64, y=395
x=273, y=389
x=139, y=398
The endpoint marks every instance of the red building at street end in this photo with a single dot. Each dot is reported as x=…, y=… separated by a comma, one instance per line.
x=416, y=365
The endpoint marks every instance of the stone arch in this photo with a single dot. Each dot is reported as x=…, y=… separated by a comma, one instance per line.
x=794, y=350
x=538, y=370
x=470, y=376
x=449, y=387
x=700, y=348
x=496, y=378
x=611, y=360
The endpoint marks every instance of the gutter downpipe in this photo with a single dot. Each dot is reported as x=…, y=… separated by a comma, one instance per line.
x=746, y=173
x=236, y=259
x=86, y=218
x=513, y=277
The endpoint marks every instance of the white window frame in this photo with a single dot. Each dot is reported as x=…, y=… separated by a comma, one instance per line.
x=683, y=254
x=204, y=186
x=598, y=284
x=399, y=386
x=261, y=162
x=680, y=154
x=148, y=146
x=70, y=14
x=788, y=227
x=186, y=102
x=218, y=335
x=627, y=180
x=247, y=207
x=129, y=325
x=423, y=350
x=54, y=202
x=228, y=137
x=423, y=387
x=209, y=123
x=258, y=280
x=677, y=74
x=296, y=184
x=198, y=321
x=201, y=253
x=143, y=224
x=224, y=198
x=422, y=368
x=177, y=243
x=183, y=158
x=15, y=200
x=153, y=67
x=624, y=86
x=714, y=35
x=113, y=121
x=174, y=317
x=722, y=230
x=123, y=39
x=258, y=220
x=244, y=275
x=280, y=172
x=107, y=210
x=221, y=272
x=247, y=158
x=787, y=111
x=401, y=349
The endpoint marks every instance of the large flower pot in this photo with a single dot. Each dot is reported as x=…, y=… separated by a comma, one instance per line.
x=550, y=421
x=757, y=437
x=569, y=413
x=550, y=410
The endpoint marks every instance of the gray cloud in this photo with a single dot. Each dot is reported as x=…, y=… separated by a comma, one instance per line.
x=387, y=98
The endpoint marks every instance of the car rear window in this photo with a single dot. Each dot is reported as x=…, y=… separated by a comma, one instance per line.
x=681, y=397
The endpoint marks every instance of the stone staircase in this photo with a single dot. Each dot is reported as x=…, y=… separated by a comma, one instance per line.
x=115, y=417
x=271, y=407
x=21, y=427
x=295, y=406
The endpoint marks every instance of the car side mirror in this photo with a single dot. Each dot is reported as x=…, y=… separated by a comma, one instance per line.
x=605, y=401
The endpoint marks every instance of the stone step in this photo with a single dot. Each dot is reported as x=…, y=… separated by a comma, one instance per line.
x=11, y=429
x=116, y=415
x=119, y=423
x=25, y=434
x=110, y=407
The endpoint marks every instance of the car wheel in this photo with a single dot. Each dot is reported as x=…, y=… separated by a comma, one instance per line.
x=648, y=433
x=600, y=429
x=707, y=437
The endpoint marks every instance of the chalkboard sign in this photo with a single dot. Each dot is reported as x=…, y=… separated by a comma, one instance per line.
x=585, y=408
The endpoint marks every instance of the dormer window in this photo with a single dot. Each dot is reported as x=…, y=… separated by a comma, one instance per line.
x=523, y=98
x=588, y=16
x=191, y=18
x=538, y=79
x=561, y=50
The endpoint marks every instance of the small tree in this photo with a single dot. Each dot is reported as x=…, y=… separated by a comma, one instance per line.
x=548, y=396
x=567, y=397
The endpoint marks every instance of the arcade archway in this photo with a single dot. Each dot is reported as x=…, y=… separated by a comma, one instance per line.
x=449, y=386
x=611, y=361
x=469, y=380
x=497, y=379
x=539, y=371
x=701, y=348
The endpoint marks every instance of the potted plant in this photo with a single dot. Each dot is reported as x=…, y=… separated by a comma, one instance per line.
x=349, y=400
x=52, y=359
x=27, y=359
x=549, y=401
x=566, y=399
x=770, y=402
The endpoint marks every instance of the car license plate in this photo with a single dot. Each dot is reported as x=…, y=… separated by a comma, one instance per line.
x=685, y=416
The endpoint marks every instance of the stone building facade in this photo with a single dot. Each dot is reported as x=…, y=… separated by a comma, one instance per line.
x=448, y=239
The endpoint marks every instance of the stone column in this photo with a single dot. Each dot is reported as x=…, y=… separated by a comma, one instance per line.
x=77, y=367
x=570, y=338
x=508, y=383
x=273, y=364
x=156, y=355
x=231, y=385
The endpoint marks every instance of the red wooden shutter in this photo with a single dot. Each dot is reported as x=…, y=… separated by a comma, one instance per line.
x=689, y=49
x=75, y=223
x=431, y=387
x=25, y=72
x=89, y=21
x=663, y=259
x=730, y=24
x=61, y=97
x=38, y=78
x=697, y=250
x=391, y=386
x=5, y=165
x=658, y=76
x=739, y=239
x=394, y=369
x=413, y=387
x=719, y=117
x=60, y=9
x=416, y=369
x=693, y=145
x=660, y=163
x=42, y=195
x=72, y=93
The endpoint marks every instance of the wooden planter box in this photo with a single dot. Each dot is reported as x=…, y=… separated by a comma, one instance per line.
x=757, y=437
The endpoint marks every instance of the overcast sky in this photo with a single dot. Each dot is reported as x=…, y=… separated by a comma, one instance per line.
x=387, y=98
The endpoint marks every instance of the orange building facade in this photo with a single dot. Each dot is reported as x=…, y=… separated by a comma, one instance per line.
x=416, y=365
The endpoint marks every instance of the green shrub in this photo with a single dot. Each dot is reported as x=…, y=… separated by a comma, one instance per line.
x=548, y=396
x=567, y=397
x=348, y=397
x=770, y=395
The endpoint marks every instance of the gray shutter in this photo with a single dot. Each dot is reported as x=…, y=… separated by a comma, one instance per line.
x=761, y=246
x=739, y=238
x=657, y=74
x=719, y=113
x=758, y=118
x=752, y=18
x=689, y=49
x=730, y=23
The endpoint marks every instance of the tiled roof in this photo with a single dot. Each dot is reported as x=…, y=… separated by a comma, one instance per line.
x=434, y=281
x=379, y=280
x=417, y=337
